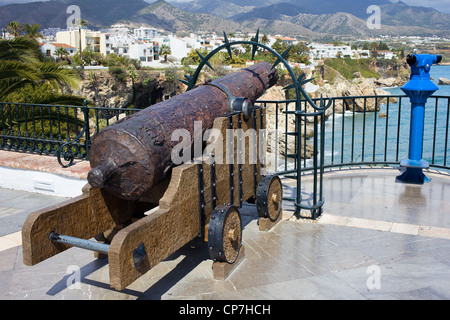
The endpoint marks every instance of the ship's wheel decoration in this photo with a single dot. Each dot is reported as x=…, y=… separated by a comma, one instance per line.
x=297, y=83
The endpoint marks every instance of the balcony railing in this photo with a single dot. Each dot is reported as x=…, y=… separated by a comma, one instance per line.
x=54, y=129
x=358, y=136
x=354, y=137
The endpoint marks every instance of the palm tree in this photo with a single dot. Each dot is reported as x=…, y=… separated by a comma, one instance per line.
x=81, y=23
x=32, y=31
x=14, y=28
x=164, y=50
x=21, y=68
x=61, y=52
x=265, y=39
x=27, y=77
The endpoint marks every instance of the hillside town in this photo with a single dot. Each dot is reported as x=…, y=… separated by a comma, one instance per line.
x=159, y=49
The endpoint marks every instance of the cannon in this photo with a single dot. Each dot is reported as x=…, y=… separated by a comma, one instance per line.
x=131, y=156
x=141, y=206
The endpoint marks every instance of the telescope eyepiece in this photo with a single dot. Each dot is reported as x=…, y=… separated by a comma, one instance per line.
x=411, y=59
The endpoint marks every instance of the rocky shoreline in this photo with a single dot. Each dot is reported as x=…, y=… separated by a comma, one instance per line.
x=343, y=88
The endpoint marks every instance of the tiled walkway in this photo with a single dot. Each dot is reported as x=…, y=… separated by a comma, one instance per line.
x=377, y=239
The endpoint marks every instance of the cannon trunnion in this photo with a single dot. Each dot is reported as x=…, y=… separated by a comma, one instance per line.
x=141, y=208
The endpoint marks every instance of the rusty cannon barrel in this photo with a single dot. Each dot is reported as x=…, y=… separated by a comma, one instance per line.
x=132, y=155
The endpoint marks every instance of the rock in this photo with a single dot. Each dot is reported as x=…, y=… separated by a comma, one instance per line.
x=105, y=91
x=361, y=87
x=277, y=93
x=381, y=92
x=332, y=91
x=444, y=81
x=386, y=82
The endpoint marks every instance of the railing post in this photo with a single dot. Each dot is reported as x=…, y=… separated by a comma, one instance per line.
x=87, y=132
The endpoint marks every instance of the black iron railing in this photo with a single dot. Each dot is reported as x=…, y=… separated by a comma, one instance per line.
x=64, y=131
x=362, y=130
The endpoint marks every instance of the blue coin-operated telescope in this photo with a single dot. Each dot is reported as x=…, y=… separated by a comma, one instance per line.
x=419, y=88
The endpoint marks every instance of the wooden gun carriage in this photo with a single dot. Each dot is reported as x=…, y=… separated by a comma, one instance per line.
x=141, y=208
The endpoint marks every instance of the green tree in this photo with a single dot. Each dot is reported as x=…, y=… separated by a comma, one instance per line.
x=193, y=58
x=265, y=39
x=23, y=68
x=81, y=23
x=61, y=53
x=32, y=31
x=279, y=46
x=298, y=53
x=14, y=28
x=89, y=57
x=164, y=50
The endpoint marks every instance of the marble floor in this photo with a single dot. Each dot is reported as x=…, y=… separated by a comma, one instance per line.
x=377, y=239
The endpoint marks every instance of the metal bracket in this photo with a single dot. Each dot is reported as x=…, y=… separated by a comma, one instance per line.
x=235, y=104
x=201, y=202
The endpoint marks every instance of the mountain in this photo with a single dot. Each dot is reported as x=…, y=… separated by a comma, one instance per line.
x=272, y=12
x=217, y=8
x=53, y=13
x=296, y=18
x=165, y=16
x=356, y=7
x=392, y=14
x=400, y=14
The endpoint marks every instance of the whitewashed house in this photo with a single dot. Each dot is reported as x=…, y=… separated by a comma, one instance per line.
x=49, y=49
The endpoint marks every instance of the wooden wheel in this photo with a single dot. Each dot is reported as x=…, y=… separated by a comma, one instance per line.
x=225, y=234
x=268, y=197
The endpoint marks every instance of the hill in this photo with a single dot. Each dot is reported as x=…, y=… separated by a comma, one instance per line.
x=53, y=13
x=345, y=16
x=165, y=16
x=298, y=18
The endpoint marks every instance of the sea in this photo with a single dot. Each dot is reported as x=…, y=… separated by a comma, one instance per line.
x=380, y=137
x=356, y=140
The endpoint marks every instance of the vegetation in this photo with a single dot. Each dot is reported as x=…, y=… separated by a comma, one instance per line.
x=298, y=53
x=27, y=76
x=24, y=72
x=164, y=50
x=347, y=67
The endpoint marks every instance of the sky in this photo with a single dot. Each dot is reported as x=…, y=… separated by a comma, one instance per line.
x=440, y=5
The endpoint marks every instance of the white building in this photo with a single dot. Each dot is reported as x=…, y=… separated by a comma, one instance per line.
x=320, y=51
x=386, y=54
x=143, y=33
x=92, y=40
x=145, y=52
x=179, y=48
x=49, y=49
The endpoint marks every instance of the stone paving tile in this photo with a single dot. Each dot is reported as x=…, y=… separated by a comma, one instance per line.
x=396, y=249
